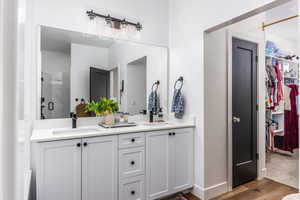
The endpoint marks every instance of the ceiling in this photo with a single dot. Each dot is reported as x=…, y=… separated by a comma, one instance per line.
x=53, y=39
x=287, y=29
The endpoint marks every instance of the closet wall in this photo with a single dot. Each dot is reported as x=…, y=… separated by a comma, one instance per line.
x=216, y=98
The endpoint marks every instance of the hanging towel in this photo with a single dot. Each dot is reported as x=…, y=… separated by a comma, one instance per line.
x=154, y=102
x=178, y=104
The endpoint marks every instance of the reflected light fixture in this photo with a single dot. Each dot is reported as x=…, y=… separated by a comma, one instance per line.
x=117, y=27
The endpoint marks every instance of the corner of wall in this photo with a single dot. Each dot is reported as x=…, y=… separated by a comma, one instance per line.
x=210, y=192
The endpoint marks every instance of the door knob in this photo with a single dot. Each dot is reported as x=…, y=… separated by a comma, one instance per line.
x=236, y=120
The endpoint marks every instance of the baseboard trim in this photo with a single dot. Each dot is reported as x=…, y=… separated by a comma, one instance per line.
x=198, y=191
x=263, y=173
x=210, y=192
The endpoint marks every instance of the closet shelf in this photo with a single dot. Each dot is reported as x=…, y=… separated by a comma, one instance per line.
x=290, y=77
x=282, y=59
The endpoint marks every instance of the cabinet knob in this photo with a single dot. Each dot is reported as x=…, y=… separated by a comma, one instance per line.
x=174, y=133
x=133, y=192
x=78, y=144
x=170, y=134
x=132, y=140
x=132, y=162
x=85, y=144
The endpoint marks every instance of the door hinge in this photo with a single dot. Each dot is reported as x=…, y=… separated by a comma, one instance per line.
x=257, y=107
x=257, y=156
x=256, y=58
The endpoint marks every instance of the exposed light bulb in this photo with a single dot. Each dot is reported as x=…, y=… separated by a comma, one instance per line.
x=101, y=24
x=123, y=32
x=107, y=31
x=109, y=21
x=137, y=35
x=92, y=26
x=124, y=24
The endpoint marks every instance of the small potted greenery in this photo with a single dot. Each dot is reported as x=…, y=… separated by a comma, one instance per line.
x=104, y=107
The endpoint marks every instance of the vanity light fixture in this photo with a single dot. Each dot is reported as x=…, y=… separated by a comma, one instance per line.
x=109, y=21
x=118, y=25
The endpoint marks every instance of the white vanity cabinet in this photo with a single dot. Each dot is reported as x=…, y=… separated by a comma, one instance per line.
x=169, y=162
x=59, y=170
x=79, y=169
x=132, y=166
x=100, y=168
x=129, y=166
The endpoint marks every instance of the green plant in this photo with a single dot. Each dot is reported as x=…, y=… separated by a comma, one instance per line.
x=102, y=107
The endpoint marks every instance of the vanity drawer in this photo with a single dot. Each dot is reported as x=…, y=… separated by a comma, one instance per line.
x=131, y=140
x=131, y=162
x=132, y=189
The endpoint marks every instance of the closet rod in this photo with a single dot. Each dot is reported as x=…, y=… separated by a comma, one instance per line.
x=279, y=21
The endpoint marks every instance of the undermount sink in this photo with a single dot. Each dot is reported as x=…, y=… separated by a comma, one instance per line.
x=75, y=131
x=156, y=123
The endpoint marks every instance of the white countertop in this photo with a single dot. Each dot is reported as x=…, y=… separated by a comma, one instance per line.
x=46, y=135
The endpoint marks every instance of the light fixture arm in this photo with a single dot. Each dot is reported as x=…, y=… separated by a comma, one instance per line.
x=92, y=15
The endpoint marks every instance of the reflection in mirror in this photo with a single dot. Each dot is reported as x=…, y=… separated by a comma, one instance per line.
x=77, y=68
x=136, y=85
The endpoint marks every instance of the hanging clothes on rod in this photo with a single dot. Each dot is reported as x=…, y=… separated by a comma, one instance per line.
x=274, y=80
x=289, y=141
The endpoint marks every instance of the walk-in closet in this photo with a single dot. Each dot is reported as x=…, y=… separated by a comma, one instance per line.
x=282, y=94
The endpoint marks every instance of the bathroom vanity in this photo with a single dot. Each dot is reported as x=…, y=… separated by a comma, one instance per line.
x=148, y=161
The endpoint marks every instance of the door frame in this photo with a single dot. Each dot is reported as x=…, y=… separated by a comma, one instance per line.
x=98, y=70
x=261, y=166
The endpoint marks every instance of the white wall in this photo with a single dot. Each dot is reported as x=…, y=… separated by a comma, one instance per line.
x=71, y=15
x=215, y=110
x=82, y=58
x=188, y=21
x=136, y=88
x=121, y=54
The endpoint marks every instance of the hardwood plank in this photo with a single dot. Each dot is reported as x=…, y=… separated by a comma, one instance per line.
x=264, y=189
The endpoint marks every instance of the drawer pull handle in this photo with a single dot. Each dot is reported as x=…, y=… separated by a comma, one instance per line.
x=132, y=140
x=132, y=162
x=133, y=192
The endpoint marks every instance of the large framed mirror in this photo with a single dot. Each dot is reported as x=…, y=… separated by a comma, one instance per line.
x=76, y=68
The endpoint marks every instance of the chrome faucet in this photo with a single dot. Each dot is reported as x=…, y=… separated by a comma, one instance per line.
x=74, y=119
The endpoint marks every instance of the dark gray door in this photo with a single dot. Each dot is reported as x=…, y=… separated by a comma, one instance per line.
x=244, y=102
x=99, y=84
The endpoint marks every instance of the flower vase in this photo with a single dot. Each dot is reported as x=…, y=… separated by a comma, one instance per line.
x=109, y=119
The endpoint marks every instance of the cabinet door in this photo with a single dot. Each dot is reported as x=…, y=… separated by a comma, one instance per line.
x=157, y=164
x=99, y=168
x=181, y=160
x=59, y=170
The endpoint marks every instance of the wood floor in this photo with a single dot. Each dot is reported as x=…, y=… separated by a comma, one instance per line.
x=256, y=190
